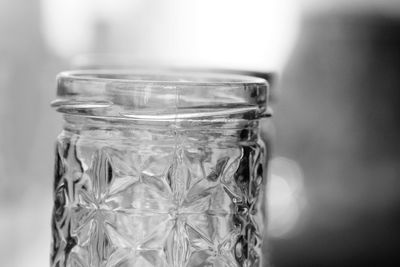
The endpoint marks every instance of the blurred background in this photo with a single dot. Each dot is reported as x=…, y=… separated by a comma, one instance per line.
x=335, y=170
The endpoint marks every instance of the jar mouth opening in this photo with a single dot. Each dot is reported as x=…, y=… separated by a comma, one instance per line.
x=164, y=77
x=152, y=94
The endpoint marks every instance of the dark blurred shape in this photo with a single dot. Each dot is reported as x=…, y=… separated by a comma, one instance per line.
x=338, y=115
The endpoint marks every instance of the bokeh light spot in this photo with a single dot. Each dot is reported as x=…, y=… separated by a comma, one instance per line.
x=285, y=197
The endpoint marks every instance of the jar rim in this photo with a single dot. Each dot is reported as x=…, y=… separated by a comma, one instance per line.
x=163, y=77
x=169, y=94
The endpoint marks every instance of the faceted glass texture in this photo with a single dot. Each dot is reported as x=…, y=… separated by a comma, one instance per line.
x=156, y=197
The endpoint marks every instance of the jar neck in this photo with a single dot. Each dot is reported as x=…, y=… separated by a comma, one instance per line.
x=210, y=129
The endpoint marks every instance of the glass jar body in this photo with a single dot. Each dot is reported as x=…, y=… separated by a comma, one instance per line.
x=141, y=194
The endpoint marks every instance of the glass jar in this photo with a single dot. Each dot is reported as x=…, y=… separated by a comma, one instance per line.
x=159, y=169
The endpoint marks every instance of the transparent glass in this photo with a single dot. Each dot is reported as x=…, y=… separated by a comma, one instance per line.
x=159, y=170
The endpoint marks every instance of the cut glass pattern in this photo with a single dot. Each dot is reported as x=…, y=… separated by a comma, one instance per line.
x=157, y=204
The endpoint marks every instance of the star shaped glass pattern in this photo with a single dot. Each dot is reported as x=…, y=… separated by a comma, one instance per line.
x=154, y=206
